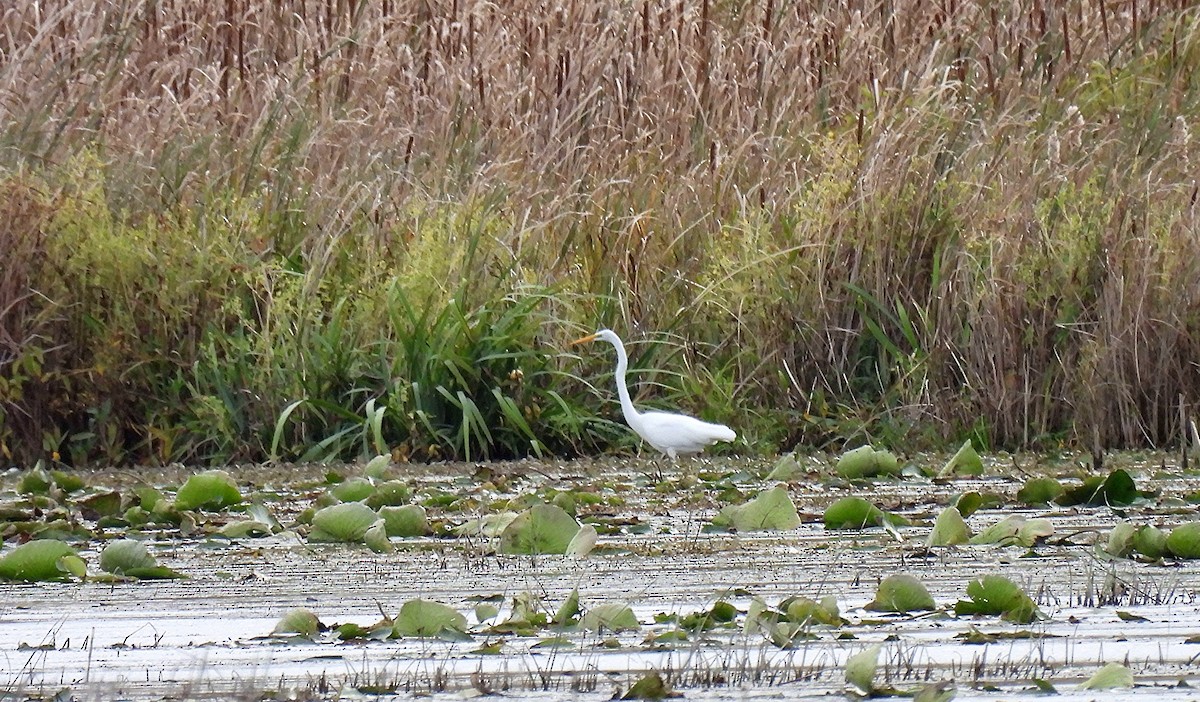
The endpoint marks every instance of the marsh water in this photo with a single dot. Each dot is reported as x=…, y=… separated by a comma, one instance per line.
x=210, y=636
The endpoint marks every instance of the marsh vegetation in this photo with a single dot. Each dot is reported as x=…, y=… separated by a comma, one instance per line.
x=321, y=229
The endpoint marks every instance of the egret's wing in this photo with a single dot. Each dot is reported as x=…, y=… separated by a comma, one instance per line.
x=683, y=432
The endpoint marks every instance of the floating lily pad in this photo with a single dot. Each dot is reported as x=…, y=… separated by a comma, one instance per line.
x=650, y=686
x=901, y=593
x=857, y=513
x=1184, y=541
x=299, y=621
x=568, y=610
x=583, y=542
x=968, y=503
x=377, y=467
x=786, y=468
x=805, y=611
x=41, y=560
x=376, y=538
x=949, y=529
x=539, y=529
x=391, y=493
x=346, y=522
x=1040, y=490
x=406, y=521
x=1015, y=530
x=1110, y=677
x=1150, y=541
x=613, y=617
x=997, y=595
x=867, y=462
x=428, y=619
x=1117, y=488
x=771, y=510
x=860, y=670
x=353, y=490
x=212, y=490
x=965, y=461
x=1120, y=540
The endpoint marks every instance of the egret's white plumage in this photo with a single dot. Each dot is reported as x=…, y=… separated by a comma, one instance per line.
x=673, y=434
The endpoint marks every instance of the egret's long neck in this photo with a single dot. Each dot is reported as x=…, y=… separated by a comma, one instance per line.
x=632, y=417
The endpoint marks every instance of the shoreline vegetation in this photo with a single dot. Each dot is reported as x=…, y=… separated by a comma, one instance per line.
x=321, y=229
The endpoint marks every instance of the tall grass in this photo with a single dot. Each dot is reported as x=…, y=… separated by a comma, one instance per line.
x=314, y=228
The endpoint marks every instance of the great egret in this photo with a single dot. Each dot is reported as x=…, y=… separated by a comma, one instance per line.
x=673, y=434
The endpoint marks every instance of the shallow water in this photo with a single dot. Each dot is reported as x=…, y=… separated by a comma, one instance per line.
x=209, y=637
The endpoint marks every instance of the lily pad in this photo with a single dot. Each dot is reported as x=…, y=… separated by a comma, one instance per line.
x=391, y=493
x=805, y=611
x=1110, y=677
x=860, y=670
x=299, y=621
x=949, y=529
x=1184, y=541
x=428, y=619
x=997, y=595
x=1120, y=540
x=857, y=513
x=1150, y=541
x=583, y=542
x=1117, y=489
x=539, y=529
x=1015, y=530
x=406, y=521
x=901, y=593
x=650, y=686
x=1040, y=490
x=346, y=522
x=211, y=490
x=40, y=560
x=772, y=510
x=612, y=617
x=376, y=538
x=867, y=462
x=965, y=461
x=353, y=490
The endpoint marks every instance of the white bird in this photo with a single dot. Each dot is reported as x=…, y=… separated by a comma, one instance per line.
x=671, y=433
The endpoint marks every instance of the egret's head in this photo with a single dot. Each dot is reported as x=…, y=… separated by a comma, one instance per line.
x=603, y=334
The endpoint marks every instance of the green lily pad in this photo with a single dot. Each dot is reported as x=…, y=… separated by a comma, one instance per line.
x=1040, y=490
x=428, y=619
x=299, y=621
x=949, y=529
x=1150, y=541
x=1120, y=540
x=211, y=490
x=105, y=503
x=377, y=467
x=965, y=461
x=583, y=542
x=376, y=538
x=968, y=503
x=568, y=610
x=391, y=493
x=901, y=593
x=936, y=692
x=860, y=670
x=612, y=617
x=1015, y=530
x=1117, y=489
x=650, y=686
x=1184, y=541
x=997, y=595
x=125, y=554
x=857, y=513
x=35, y=482
x=353, y=490
x=1110, y=677
x=245, y=529
x=806, y=611
x=40, y=560
x=406, y=521
x=346, y=522
x=786, y=468
x=539, y=529
x=867, y=462
x=69, y=482
x=771, y=510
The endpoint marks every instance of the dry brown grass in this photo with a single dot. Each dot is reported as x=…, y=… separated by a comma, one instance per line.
x=1006, y=188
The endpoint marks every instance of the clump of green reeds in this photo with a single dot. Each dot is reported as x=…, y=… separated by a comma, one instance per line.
x=313, y=228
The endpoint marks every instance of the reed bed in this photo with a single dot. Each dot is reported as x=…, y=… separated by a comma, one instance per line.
x=245, y=230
